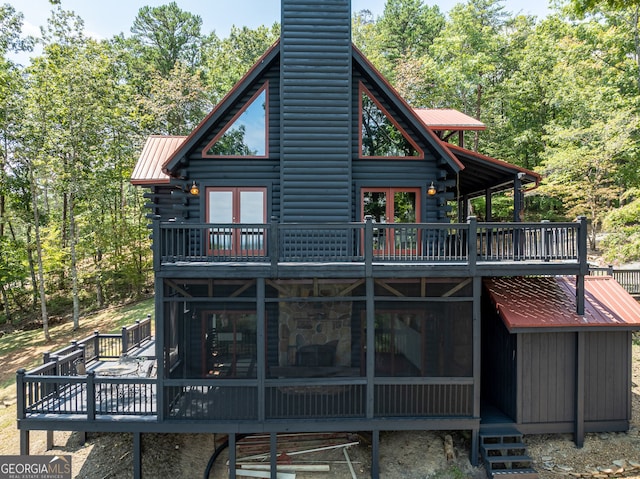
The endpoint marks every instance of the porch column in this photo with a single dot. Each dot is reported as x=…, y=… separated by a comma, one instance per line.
x=488, y=197
x=161, y=354
x=518, y=200
x=477, y=358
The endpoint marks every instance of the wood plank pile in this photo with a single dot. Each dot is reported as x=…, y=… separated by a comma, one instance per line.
x=296, y=452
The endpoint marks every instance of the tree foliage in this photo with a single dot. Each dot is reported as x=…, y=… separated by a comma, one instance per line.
x=559, y=94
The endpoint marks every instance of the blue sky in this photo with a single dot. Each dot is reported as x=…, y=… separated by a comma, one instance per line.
x=105, y=18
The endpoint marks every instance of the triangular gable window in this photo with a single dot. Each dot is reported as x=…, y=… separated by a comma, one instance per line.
x=246, y=134
x=380, y=135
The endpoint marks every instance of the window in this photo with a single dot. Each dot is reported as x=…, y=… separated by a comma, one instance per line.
x=246, y=133
x=390, y=207
x=380, y=134
x=227, y=207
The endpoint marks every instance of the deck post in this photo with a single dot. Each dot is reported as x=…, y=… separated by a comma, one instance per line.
x=91, y=396
x=137, y=455
x=584, y=265
x=125, y=341
x=274, y=246
x=375, y=454
x=368, y=246
x=20, y=393
x=49, y=440
x=273, y=456
x=232, y=455
x=472, y=244
x=96, y=344
x=24, y=442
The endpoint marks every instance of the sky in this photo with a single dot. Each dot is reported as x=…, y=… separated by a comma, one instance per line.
x=105, y=18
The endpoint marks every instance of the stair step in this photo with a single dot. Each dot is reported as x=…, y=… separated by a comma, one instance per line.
x=500, y=436
x=494, y=459
x=502, y=446
x=516, y=474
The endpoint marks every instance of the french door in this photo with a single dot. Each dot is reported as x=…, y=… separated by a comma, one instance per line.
x=390, y=208
x=228, y=207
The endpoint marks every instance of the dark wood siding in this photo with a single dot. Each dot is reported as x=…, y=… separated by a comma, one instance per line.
x=548, y=377
x=607, y=357
x=393, y=172
x=316, y=103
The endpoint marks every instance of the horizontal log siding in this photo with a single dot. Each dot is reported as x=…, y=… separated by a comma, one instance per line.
x=393, y=172
x=548, y=377
x=316, y=110
x=606, y=396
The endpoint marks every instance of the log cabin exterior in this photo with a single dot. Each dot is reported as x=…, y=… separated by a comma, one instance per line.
x=309, y=277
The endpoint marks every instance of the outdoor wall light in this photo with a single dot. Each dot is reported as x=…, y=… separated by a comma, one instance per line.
x=194, y=190
x=431, y=191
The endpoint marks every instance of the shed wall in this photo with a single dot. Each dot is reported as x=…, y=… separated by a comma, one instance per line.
x=547, y=375
x=607, y=376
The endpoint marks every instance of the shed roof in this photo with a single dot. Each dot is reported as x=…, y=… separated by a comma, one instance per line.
x=448, y=119
x=549, y=303
x=156, y=151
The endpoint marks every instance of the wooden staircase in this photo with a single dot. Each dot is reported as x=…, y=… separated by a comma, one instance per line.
x=505, y=455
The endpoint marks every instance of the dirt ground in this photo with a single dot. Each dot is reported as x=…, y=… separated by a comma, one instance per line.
x=403, y=455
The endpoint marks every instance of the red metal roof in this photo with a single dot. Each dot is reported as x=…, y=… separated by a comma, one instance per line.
x=445, y=119
x=550, y=302
x=156, y=151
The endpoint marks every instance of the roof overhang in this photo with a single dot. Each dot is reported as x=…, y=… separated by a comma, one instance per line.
x=443, y=119
x=544, y=304
x=483, y=173
x=157, y=149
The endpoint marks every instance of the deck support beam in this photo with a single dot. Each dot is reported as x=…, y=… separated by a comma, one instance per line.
x=137, y=455
x=232, y=455
x=24, y=442
x=273, y=459
x=375, y=454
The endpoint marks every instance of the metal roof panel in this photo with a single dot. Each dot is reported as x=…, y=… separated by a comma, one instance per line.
x=157, y=149
x=550, y=302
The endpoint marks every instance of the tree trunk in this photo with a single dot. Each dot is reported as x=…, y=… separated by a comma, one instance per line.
x=5, y=302
x=32, y=270
x=74, y=266
x=43, y=295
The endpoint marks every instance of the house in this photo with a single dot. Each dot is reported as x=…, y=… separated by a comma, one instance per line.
x=309, y=277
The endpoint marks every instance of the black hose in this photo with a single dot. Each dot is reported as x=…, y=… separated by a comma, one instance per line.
x=217, y=452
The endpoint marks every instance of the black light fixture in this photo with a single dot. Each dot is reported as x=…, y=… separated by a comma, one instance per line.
x=431, y=191
x=194, y=190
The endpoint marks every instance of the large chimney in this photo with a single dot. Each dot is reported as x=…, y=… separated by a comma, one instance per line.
x=315, y=89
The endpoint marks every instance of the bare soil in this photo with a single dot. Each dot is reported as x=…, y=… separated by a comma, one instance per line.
x=403, y=455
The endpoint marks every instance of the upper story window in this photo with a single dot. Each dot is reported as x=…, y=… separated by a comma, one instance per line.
x=246, y=134
x=380, y=135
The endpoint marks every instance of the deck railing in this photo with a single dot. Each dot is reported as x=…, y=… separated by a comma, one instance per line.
x=629, y=279
x=368, y=242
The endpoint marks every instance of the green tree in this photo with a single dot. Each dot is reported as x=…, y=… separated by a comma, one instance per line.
x=168, y=35
x=226, y=60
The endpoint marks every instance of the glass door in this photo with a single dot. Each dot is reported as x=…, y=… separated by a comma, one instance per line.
x=228, y=209
x=390, y=209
